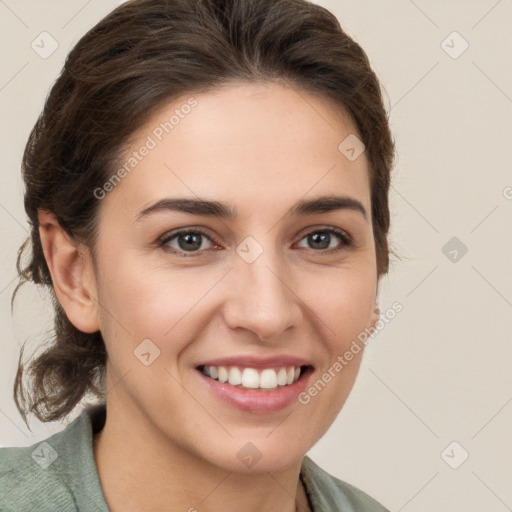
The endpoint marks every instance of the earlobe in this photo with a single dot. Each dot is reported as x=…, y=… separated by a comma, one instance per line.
x=71, y=273
x=375, y=317
x=375, y=313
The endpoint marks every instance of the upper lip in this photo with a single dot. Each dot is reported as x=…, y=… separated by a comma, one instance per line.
x=256, y=362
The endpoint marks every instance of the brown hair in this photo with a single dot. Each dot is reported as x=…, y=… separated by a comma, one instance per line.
x=140, y=56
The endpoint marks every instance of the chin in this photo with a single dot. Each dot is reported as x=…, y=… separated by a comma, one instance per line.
x=254, y=461
x=253, y=454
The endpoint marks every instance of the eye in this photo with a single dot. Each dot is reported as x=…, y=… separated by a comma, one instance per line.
x=190, y=241
x=321, y=239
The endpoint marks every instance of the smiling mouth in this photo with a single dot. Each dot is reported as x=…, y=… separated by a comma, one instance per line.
x=267, y=379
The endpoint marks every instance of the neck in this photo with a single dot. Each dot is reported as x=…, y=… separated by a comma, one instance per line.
x=141, y=469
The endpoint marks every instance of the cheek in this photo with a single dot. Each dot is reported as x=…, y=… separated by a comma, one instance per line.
x=343, y=301
x=139, y=302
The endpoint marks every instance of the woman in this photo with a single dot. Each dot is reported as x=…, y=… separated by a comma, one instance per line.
x=208, y=192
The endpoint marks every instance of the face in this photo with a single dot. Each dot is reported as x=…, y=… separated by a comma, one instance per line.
x=247, y=277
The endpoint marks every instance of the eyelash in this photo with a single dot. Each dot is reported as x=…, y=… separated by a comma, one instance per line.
x=344, y=237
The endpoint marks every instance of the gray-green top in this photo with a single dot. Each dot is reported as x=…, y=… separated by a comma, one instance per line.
x=60, y=475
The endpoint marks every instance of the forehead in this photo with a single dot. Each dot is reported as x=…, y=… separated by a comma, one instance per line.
x=244, y=142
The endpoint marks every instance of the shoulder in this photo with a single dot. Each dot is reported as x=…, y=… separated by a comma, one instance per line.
x=29, y=480
x=48, y=475
x=328, y=493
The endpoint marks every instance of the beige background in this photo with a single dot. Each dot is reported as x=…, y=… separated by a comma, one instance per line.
x=440, y=371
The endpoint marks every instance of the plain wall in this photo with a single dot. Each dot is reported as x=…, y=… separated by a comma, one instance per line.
x=439, y=372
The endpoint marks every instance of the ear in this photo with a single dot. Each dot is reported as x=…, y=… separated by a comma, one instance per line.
x=376, y=310
x=72, y=273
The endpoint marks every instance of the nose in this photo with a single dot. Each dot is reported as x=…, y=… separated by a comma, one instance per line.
x=262, y=298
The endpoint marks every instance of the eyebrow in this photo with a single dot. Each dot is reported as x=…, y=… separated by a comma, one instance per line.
x=322, y=204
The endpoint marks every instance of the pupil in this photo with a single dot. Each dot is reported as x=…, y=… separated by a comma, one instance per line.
x=321, y=238
x=193, y=241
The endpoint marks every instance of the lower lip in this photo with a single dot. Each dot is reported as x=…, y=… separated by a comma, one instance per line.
x=254, y=401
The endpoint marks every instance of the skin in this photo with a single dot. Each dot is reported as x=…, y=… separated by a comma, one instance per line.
x=168, y=443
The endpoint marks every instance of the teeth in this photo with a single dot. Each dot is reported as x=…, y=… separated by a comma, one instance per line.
x=235, y=376
x=268, y=379
x=214, y=373
x=251, y=378
x=223, y=374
